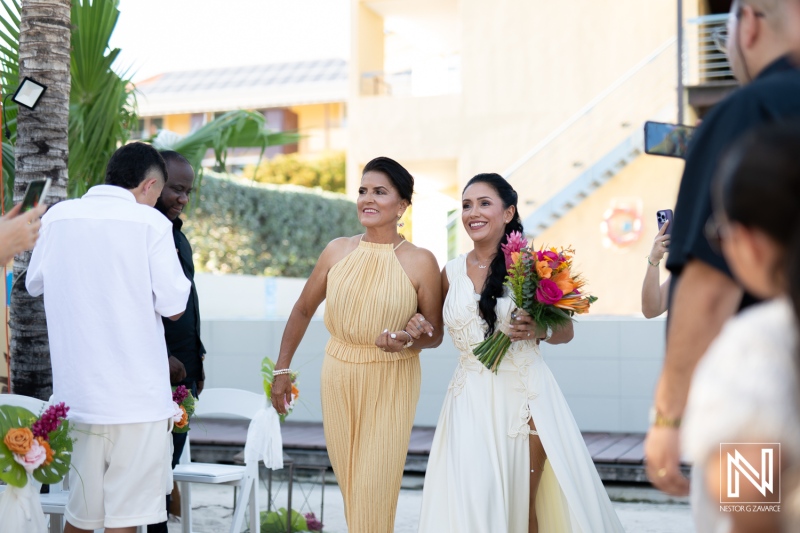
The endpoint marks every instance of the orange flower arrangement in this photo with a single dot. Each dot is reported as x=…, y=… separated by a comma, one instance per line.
x=184, y=418
x=19, y=440
x=267, y=369
x=542, y=283
x=47, y=449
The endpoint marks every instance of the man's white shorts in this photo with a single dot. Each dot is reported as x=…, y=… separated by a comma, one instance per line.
x=120, y=474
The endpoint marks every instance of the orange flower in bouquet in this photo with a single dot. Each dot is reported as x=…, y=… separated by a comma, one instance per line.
x=19, y=440
x=541, y=282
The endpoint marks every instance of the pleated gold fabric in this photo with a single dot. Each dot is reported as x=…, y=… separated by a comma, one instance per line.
x=369, y=397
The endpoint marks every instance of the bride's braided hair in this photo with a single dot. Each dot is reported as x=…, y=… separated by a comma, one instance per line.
x=493, y=287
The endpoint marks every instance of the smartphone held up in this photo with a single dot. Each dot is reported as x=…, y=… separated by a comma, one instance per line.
x=36, y=192
x=671, y=140
x=663, y=217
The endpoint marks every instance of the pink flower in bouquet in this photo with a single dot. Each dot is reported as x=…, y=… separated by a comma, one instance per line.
x=548, y=292
x=179, y=394
x=313, y=522
x=33, y=459
x=177, y=413
x=50, y=420
x=550, y=257
x=514, y=244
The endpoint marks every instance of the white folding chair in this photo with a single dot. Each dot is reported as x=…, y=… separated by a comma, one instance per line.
x=54, y=503
x=226, y=402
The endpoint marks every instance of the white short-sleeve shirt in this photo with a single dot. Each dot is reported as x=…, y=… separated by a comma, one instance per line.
x=109, y=271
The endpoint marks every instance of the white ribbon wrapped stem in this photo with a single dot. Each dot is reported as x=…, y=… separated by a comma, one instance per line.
x=264, y=441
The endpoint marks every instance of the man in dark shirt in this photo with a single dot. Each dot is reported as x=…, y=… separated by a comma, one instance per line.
x=186, y=351
x=704, y=294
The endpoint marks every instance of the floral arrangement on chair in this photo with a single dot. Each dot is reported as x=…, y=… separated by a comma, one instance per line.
x=34, y=450
x=38, y=447
x=183, y=408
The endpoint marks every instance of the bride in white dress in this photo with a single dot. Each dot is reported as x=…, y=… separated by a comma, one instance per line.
x=507, y=455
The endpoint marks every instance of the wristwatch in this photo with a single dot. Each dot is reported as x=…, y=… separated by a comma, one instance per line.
x=659, y=420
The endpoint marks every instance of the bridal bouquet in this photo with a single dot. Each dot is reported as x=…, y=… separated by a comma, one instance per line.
x=183, y=408
x=542, y=284
x=33, y=451
x=267, y=369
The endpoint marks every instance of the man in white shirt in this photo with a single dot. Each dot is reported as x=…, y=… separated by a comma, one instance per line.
x=107, y=266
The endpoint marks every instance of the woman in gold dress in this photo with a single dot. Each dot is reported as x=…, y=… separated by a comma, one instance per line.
x=384, y=304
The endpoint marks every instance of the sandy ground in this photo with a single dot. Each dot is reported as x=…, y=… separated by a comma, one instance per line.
x=641, y=510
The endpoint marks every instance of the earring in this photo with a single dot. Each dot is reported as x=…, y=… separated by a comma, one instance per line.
x=400, y=224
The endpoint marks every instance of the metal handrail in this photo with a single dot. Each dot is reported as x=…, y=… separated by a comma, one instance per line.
x=585, y=110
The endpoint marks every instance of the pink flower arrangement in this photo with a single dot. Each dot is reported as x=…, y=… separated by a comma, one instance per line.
x=50, y=420
x=312, y=522
x=548, y=292
x=515, y=243
x=541, y=283
x=179, y=394
x=182, y=408
x=38, y=447
x=36, y=456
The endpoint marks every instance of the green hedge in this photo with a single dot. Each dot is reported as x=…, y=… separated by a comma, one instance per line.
x=242, y=227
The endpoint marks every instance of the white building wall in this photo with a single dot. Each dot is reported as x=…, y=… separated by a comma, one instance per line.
x=607, y=373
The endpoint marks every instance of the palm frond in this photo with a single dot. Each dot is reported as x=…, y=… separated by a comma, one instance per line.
x=235, y=129
x=9, y=77
x=102, y=103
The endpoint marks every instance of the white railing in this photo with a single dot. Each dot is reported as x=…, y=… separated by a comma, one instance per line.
x=703, y=62
x=641, y=94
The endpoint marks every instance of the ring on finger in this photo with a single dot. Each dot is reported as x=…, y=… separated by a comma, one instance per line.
x=661, y=472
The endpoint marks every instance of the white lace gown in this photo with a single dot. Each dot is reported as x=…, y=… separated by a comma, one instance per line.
x=478, y=476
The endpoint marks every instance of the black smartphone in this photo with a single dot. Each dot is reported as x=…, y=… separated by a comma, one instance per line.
x=664, y=216
x=36, y=192
x=671, y=140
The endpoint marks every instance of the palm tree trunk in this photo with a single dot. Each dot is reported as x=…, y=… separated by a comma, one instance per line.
x=41, y=152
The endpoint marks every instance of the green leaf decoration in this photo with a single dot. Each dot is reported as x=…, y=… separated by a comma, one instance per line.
x=61, y=444
x=12, y=417
x=275, y=521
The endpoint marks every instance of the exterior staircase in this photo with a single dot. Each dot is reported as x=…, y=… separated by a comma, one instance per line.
x=596, y=143
x=585, y=184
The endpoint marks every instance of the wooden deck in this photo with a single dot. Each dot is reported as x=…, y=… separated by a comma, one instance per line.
x=617, y=456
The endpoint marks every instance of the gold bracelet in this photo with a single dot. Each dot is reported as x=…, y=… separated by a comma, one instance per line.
x=651, y=263
x=659, y=420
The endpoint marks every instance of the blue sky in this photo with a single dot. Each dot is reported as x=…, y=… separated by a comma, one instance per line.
x=162, y=35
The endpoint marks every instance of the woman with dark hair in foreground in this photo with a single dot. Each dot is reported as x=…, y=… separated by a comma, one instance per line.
x=745, y=388
x=507, y=454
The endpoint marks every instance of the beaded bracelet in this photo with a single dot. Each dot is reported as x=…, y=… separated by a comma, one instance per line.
x=282, y=371
x=651, y=263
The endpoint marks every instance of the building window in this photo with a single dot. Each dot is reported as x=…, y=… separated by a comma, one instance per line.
x=156, y=125
x=138, y=131
x=197, y=121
